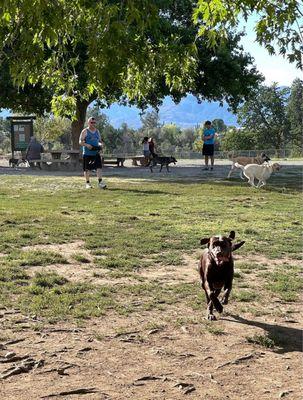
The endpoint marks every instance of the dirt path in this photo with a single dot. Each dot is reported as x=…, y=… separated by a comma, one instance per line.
x=184, y=169
x=168, y=355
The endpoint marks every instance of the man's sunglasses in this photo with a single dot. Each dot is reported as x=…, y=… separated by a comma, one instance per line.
x=92, y=122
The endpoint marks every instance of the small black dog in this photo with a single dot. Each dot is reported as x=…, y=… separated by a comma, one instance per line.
x=162, y=161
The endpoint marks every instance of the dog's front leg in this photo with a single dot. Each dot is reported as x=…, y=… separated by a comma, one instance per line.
x=210, y=307
x=227, y=290
x=231, y=170
x=213, y=297
x=161, y=167
x=251, y=181
x=209, y=313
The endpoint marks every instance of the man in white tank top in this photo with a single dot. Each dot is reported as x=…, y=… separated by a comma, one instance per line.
x=90, y=140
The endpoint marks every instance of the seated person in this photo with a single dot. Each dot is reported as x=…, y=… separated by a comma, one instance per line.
x=33, y=152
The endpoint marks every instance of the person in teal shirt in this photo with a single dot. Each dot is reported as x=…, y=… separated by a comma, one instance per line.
x=209, y=135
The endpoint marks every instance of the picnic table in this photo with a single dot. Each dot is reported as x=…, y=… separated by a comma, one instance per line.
x=117, y=161
x=57, y=160
x=56, y=154
x=74, y=155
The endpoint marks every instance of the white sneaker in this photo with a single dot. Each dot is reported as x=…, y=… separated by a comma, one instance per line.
x=88, y=186
x=102, y=185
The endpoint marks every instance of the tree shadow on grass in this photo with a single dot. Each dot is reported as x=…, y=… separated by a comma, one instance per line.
x=287, y=339
x=141, y=191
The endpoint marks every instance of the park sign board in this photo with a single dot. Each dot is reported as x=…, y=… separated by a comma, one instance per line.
x=21, y=132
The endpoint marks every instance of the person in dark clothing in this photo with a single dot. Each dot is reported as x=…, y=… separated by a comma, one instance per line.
x=151, y=144
x=33, y=152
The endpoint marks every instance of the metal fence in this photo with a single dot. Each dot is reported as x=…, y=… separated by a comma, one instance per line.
x=193, y=155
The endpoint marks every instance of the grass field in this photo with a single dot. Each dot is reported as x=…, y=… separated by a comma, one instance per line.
x=70, y=256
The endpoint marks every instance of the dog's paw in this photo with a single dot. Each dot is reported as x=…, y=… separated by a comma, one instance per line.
x=219, y=308
x=211, y=317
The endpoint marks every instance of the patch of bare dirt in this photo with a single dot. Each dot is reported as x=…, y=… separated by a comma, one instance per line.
x=171, y=354
x=68, y=249
x=260, y=259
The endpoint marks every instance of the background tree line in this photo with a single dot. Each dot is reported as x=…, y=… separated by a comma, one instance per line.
x=271, y=118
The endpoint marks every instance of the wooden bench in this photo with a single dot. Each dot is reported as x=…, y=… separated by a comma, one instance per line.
x=118, y=161
x=54, y=164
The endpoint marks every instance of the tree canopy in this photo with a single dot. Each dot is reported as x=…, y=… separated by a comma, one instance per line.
x=29, y=98
x=279, y=23
x=295, y=114
x=265, y=113
x=135, y=51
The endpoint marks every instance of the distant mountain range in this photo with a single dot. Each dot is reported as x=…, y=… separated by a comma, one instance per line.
x=185, y=114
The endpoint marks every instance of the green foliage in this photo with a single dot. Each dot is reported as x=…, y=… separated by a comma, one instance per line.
x=134, y=52
x=36, y=257
x=278, y=23
x=50, y=128
x=244, y=295
x=284, y=285
x=26, y=98
x=150, y=120
x=5, y=143
x=219, y=125
x=238, y=139
x=48, y=280
x=262, y=340
x=295, y=115
x=265, y=114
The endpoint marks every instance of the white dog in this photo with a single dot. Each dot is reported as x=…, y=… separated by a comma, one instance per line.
x=260, y=172
x=260, y=159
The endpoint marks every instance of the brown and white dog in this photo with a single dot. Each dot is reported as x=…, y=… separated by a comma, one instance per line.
x=259, y=172
x=216, y=269
x=260, y=159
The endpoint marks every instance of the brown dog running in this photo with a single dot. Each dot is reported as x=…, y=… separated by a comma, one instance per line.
x=216, y=269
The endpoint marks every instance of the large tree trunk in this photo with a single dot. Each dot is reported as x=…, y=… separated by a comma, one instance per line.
x=78, y=123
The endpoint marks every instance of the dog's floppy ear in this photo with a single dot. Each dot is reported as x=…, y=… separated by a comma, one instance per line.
x=232, y=235
x=236, y=246
x=204, y=240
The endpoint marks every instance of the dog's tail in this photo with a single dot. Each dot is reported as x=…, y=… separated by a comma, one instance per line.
x=239, y=166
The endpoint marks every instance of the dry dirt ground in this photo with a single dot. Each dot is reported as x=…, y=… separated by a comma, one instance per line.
x=150, y=355
x=184, y=169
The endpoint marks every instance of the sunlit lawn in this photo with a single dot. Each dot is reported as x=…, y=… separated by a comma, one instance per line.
x=134, y=225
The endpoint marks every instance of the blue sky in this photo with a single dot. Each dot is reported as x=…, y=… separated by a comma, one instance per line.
x=274, y=68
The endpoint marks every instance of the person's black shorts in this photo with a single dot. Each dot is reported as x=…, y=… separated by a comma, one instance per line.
x=91, y=162
x=208, y=149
